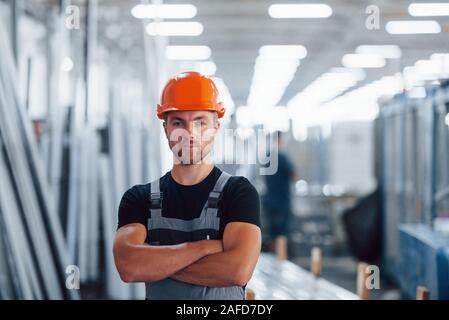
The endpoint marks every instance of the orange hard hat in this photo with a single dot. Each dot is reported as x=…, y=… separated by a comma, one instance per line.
x=190, y=91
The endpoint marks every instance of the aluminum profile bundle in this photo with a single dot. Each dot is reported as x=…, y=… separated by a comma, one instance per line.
x=33, y=240
x=60, y=193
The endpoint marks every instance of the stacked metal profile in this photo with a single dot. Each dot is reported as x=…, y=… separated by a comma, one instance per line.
x=60, y=190
x=34, y=255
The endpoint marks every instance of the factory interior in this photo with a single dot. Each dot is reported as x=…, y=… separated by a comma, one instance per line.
x=353, y=94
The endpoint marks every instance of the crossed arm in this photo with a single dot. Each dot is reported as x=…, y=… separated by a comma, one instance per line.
x=213, y=263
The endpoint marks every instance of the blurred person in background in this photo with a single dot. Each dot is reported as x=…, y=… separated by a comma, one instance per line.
x=277, y=198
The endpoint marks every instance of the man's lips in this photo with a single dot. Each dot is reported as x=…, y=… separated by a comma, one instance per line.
x=191, y=145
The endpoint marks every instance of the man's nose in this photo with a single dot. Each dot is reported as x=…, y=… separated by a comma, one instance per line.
x=192, y=128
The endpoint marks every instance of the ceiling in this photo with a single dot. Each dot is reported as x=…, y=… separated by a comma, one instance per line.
x=236, y=29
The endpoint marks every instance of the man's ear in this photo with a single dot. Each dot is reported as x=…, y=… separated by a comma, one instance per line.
x=164, y=124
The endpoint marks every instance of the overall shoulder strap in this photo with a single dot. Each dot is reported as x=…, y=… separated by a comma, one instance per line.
x=215, y=194
x=155, y=198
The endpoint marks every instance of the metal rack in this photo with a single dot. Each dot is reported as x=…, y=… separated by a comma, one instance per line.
x=414, y=157
x=61, y=188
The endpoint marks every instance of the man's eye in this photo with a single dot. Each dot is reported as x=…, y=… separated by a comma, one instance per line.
x=176, y=123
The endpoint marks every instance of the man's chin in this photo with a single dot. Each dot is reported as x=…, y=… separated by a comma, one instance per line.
x=189, y=162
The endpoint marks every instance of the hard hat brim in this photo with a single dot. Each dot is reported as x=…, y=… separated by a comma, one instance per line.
x=218, y=108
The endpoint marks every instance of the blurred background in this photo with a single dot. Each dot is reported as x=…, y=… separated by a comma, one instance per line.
x=358, y=90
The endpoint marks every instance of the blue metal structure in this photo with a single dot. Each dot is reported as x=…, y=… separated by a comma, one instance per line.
x=424, y=261
x=414, y=181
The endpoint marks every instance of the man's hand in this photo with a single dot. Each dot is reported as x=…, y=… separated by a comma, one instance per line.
x=137, y=261
x=233, y=266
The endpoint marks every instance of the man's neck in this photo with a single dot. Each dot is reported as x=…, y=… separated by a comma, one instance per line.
x=191, y=174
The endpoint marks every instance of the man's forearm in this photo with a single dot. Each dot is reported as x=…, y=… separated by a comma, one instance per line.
x=152, y=263
x=217, y=270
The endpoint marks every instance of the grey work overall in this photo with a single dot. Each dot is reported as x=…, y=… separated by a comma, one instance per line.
x=171, y=231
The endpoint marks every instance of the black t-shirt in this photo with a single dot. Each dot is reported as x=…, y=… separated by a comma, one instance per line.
x=239, y=201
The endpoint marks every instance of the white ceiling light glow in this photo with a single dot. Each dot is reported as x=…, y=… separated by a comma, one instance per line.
x=429, y=67
x=440, y=56
x=385, y=51
x=428, y=9
x=164, y=11
x=306, y=10
x=437, y=67
x=336, y=81
x=356, y=105
x=274, y=69
x=413, y=27
x=273, y=118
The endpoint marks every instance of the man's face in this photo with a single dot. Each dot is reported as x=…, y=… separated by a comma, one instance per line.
x=191, y=134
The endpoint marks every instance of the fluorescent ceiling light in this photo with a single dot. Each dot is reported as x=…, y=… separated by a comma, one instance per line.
x=276, y=119
x=428, y=9
x=264, y=96
x=413, y=27
x=283, y=51
x=442, y=57
x=188, y=52
x=432, y=66
x=363, y=61
x=274, y=69
x=386, y=51
x=356, y=105
x=243, y=117
x=413, y=76
x=315, y=10
x=174, y=28
x=336, y=81
x=164, y=11
x=272, y=118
